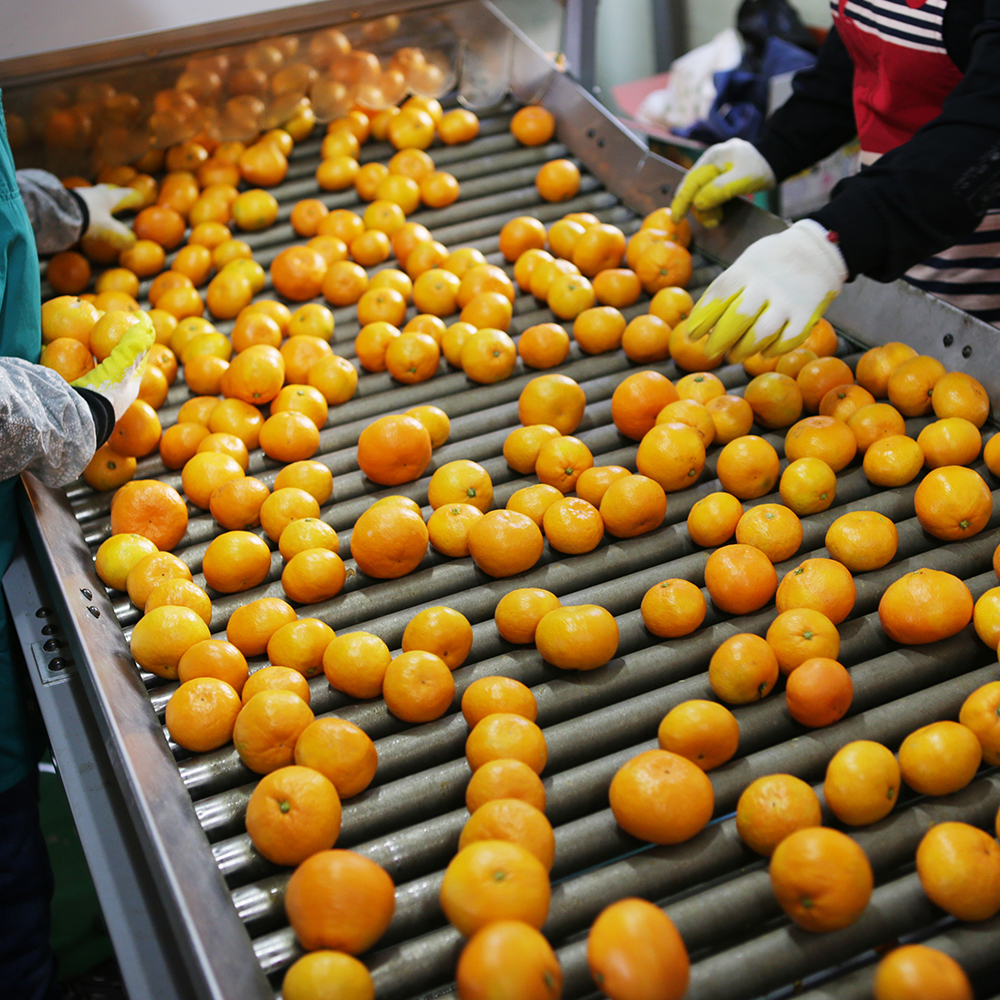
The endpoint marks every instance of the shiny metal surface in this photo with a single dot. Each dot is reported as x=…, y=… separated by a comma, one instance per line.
x=225, y=901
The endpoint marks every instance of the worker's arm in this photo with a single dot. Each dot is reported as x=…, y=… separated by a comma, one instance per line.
x=46, y=426
x=816, y=120
x=60, y=216
x=933, y=191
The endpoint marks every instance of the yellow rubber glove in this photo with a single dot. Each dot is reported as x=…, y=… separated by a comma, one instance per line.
x=721, y=173
x=772, y=295
x=102, y=201
x=119, y=375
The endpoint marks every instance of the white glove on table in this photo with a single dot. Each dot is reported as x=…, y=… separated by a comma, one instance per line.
x=722, y=172
x=772, y=295
x=102, y=201
x=119, y=375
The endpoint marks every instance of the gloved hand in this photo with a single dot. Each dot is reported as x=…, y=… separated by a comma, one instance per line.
x=722, y=172
x=771, y=296
x=119, y=375
x=102, y=200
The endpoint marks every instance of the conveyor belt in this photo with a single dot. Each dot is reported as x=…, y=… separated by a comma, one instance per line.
x=409, y=821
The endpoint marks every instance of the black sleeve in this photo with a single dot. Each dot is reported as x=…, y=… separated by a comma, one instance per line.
x=932, y=191
x=102, y=412
x=819, y=116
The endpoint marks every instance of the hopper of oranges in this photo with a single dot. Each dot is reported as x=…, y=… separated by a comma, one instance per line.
x=584, y=512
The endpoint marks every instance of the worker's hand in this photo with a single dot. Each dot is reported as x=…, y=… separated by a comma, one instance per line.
x=722, y=172
x=102, y=201
x=772, y=295
x=118, y=376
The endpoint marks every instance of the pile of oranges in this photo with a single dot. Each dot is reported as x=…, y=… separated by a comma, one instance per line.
x=268, y=384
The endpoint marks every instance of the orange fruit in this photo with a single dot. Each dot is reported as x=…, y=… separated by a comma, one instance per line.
x=394, y=449
x=862, y=540
x=661, y=797
x=554, y=400
x=252, y=624
x=340, y=751
x=117, y=555
x=878, y=363
x=534, y=501
x=748, y=467
x=843, y=401
x=776, y=399
x=794, y=361
x=505, y=542
x=561, y=461
x=911, y=384
x=137, y=431
x=950, y=441
x=205, y=472
x=663, y=265
x=712, y=520
x=558, y=180
x=307, y=533
x=959, y=869
x=772, y=528
x=160, y=638
x=339, y=900
x=800, y=876
x=491, y=880
x=150, y=508
x=508, y=960
x=149, y=571
x=449, y=526
x=821, y=437
x=873, y=422
x=986, y=617
x=744, y=668
x=460, y=481
x=957, y=395
x=318, y=971
x=819, y=692
x=572, y=525
x=862, y=782
x=442, y=631
x=692, y=413
x=925, y=605
x=772, y=807
x=108, y=470
x=799, y=634
x=672, y=454
x=646, y=339
x=821, y=584
x=544, y=345
x=488, y=355
x=389, y=541
x=504, y=778
x=489, y=695
x=577, y=637
x=912, y=971
x=519, y=611
x=268, y=726
x=355, y=663
x=704, y=732
x=532, y=125
x=617, y=288
x=289, y=436
x=284, y=505
x=300, y=645
x=817, y=377
x=292, y=813
x=673, y=608
x=740, y=579
x=594, y=482
x=418, y=686
x=513, y=821
x=506, y=736
x=214, y=658
x=236, y=561
x=201, y=713
x=635, y=951
x=633, y=505
x=953, y=502
x=940, y=758
x=600, y=249
x=521, y=233
x=276, y=678
x=808, y=485
x=638, y=399
x=893, y=461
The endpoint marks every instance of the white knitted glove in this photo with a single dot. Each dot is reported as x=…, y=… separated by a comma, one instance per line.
x=102, y=200
x=772, y=295
x=119, y=375
x=722, y=172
